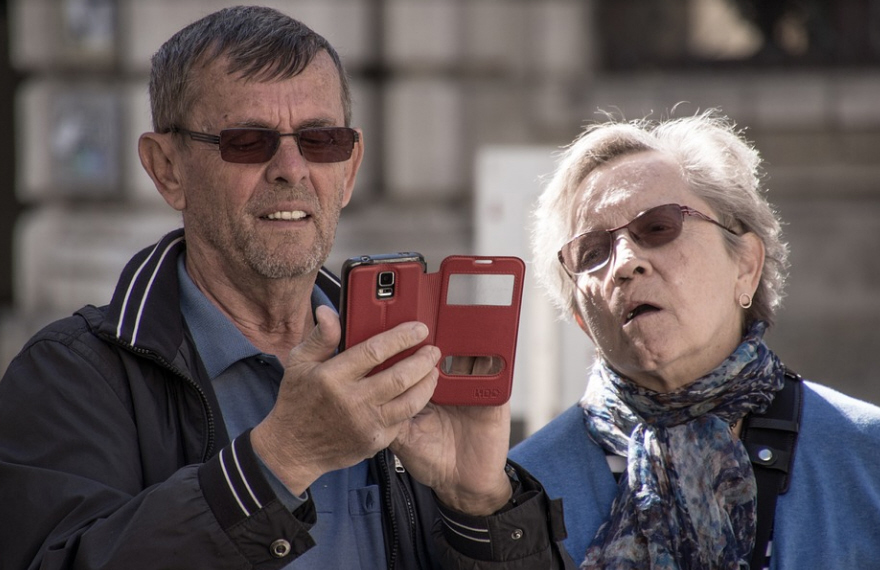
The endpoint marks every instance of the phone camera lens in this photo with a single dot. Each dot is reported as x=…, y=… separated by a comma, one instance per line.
x=386, y=279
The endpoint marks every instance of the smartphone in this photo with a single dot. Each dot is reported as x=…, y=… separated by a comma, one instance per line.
x=378, y=293
x=471, y=307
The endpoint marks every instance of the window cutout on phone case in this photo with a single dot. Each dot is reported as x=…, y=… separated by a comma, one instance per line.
x=480, y=289
x=471, y=365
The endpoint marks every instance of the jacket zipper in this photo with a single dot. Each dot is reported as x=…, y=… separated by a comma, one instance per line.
x=389, y=501
x=209, y=414
x=407, y=498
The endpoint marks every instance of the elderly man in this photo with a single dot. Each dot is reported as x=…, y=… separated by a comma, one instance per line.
x=203, y=419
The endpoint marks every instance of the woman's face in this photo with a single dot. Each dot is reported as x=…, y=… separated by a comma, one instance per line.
x=667, y=315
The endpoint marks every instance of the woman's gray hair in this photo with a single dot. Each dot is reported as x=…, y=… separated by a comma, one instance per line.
x=718, y=163
x=260, y=43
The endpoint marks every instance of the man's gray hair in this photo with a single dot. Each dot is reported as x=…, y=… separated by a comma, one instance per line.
x=260, y=43
x=718, y=163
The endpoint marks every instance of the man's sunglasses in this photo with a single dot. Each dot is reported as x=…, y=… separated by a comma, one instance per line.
x=590, y=251
x=255, y=146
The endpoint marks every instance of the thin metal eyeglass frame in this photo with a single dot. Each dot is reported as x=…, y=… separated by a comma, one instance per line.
x=685, y=211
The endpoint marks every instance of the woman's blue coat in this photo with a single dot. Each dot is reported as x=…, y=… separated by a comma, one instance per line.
x=830, y=517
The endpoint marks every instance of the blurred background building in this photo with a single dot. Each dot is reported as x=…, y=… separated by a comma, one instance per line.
x=464, y=103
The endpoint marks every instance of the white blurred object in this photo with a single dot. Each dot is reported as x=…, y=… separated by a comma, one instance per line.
x=552, y=355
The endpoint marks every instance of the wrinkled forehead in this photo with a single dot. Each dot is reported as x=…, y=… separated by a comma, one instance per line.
x=220, y=81
x=619, y=189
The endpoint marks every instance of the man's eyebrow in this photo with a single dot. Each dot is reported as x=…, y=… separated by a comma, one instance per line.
x=247, y=123
x=307, y=124
x=315, y=123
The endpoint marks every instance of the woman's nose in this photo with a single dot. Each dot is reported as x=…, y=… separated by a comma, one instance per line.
x=627, y=259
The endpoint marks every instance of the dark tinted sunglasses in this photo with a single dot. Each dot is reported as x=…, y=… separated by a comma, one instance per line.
x=658, y=226
x=255, y=146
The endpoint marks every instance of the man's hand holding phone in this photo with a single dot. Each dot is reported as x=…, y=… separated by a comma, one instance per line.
x=336, y=408
x=329, y=415
x=472, y=305
x=460, y=452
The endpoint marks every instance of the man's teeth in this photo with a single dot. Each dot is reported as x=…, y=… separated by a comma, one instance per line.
x=295, y=215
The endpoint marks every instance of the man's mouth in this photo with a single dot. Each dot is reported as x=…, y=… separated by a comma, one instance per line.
x=287, y=215
x=640, y=310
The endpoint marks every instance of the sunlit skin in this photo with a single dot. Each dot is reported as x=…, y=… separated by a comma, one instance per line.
x=693, y=282
x=260, y=272
x=254, y=268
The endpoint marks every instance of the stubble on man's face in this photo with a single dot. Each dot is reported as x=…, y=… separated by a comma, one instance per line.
x=234, y=225
x=287, y=255
x=273, y=261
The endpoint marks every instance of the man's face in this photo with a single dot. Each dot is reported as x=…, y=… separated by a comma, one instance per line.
x=273, y=220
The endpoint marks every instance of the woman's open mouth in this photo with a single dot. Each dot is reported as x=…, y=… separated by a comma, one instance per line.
x=639, y=310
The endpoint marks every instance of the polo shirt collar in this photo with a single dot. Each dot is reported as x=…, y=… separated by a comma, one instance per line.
x=219, y=342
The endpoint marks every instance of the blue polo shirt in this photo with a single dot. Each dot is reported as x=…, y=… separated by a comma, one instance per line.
x=348, y=533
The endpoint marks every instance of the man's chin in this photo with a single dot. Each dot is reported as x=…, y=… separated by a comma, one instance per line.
x=286, y=269
x=281, y=257
x=292, y=266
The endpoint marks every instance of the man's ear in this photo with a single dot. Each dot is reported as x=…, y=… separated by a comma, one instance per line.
x=158, y=157
x=751, y=263
x=352, y=166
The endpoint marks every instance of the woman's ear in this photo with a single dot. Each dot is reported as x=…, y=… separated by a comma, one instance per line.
x=158, y=157
x=751, y=263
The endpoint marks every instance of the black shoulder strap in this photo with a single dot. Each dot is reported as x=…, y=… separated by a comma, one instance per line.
x=770, y=439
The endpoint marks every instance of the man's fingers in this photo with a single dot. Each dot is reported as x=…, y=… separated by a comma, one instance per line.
x=411, y=401
x=461, y=366
x=374, y=351
x=394, y=381
x=487, y=365
x=474, y=366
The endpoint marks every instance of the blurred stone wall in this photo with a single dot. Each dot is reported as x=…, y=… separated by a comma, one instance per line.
x=436, y=83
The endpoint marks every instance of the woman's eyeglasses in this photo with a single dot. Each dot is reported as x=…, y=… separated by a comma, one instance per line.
x=255, y=146
x=590, y=251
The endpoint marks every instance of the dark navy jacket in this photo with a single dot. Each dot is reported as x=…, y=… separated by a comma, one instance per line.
x=113, y=454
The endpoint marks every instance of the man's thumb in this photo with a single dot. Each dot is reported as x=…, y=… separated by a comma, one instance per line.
x=323, y=340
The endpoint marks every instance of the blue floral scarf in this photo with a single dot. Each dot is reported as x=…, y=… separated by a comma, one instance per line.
x=688, y=498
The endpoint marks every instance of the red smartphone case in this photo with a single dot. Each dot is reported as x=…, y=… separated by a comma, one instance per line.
x=471, y=307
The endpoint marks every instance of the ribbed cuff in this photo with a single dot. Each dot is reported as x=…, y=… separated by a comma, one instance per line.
x=476, y=536
x=264, y=530
x=233, y=483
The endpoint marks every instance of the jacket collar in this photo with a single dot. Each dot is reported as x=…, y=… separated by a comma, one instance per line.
x=144, y=312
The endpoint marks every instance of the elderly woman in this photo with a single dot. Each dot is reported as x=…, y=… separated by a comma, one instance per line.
x=657, y=239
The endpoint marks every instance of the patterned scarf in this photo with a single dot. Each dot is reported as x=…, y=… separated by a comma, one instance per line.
x=688, y=499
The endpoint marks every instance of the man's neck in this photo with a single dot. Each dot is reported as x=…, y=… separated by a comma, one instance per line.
x=274, y=314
